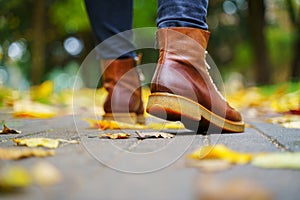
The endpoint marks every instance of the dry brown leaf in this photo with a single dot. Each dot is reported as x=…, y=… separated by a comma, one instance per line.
x=114, y=135
x=42, y=142
x=7, y=130
x=144, y=135
x=18, y=153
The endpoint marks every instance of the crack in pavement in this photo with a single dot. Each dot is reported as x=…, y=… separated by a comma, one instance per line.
x=273, y=140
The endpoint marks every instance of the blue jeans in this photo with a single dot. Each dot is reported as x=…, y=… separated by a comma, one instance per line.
x=110, y=17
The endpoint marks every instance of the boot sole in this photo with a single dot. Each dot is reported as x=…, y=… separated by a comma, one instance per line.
x=130, y=118
x=193, y=115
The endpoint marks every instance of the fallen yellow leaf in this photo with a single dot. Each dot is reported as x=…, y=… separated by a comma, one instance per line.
x=287, y=121
x=42, y=142
x=29, y=109
x=14, y=177
x=277, y=98
x=286, y=102
x=45, y=174
x=36, y=142
x=18, y=153
x=166, y=125
x=105, y=124
x=42, y=92
x=209, y=165
x=286, y=160
x=220, y=151
x=110, y=125
x=115, y=135
x=246, y=98
x=232, y=189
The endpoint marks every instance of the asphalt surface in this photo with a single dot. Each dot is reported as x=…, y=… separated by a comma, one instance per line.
x=152, y=168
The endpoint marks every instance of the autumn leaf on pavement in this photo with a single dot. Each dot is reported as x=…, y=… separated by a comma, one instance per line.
x=111, y=125
x=7, y=130
x=43, y=92
x=232, y=189
x=115, y=135
x=45, y=174
x=165, y=125
x=286, y=102
x=42, y=142
x=30, y=109
x=285, y=160
x=42, y=174
x=279, y=98
x=144, y=135
x=287, y=121
x=14, y=177
x=18, y=153
x=221, y=152
x=209, y=165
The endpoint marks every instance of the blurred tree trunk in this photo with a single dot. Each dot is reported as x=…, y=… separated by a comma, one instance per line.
x=296, y=23
x=256, y=9
x=38, y=41
x=296, y=60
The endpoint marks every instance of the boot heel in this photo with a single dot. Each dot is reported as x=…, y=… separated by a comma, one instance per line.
x=172, y=107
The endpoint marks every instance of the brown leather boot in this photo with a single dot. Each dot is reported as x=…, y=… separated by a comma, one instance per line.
x=182, y=88
x=124, y=100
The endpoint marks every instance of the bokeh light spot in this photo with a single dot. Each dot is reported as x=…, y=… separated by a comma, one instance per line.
x=229, y=7
x=73, y=46
x=15, y=51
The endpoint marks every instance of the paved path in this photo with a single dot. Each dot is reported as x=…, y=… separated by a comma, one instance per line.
x=86, y=174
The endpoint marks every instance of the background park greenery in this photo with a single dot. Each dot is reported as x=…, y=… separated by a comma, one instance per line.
x=48, y=39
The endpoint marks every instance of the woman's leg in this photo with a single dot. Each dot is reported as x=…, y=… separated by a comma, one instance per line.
x=109, y=18
x=180, y=13
x=181, y=87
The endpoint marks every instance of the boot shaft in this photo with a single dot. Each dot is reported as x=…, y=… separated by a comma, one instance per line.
x=121, y=80
x=181, y=43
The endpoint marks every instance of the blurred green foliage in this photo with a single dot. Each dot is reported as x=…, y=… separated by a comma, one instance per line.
x=230, y=43
x=69, y=16
x=144, y=13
